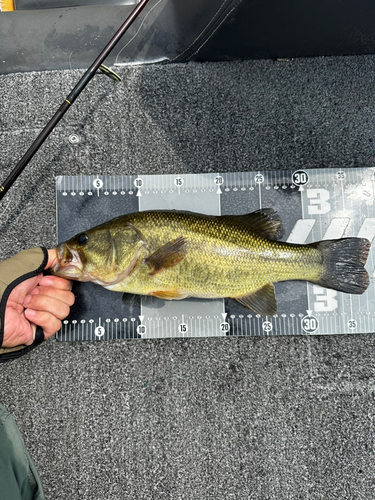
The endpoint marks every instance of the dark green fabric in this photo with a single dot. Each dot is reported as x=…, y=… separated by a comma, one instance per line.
x=19, y=479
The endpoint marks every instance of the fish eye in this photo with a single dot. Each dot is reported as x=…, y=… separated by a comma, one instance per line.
x=82, y=239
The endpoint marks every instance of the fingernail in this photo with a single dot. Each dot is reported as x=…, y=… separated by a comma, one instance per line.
x=30, y=313
x=26, y=300
x=34, y=292
x=45, y=281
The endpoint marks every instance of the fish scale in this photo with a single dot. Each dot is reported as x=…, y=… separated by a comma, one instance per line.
x=338, y=202
x=223, y=260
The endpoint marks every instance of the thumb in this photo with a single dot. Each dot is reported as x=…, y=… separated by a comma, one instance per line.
x=52, y=258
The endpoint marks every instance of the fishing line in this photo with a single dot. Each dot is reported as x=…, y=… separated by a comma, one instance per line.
x=139, y=29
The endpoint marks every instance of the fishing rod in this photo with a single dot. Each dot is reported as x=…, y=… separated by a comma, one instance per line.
x=89, y=74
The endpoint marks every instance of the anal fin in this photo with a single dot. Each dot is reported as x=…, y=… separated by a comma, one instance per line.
x=262, y=301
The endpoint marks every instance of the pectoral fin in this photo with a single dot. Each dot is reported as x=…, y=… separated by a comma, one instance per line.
x=169, y=255
x=262, y=301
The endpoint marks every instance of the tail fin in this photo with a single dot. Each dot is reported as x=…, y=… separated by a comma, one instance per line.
x=343, y=264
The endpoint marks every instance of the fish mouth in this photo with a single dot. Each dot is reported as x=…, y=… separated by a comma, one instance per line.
x=68, y=263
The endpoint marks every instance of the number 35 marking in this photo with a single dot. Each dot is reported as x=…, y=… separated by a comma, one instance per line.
x=318, y=201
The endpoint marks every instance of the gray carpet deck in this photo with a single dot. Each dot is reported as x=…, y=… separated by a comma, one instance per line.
x=240, y=418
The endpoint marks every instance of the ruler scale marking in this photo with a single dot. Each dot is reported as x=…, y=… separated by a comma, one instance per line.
x=358, y=222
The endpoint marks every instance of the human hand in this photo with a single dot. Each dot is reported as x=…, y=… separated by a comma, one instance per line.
x=40, y=301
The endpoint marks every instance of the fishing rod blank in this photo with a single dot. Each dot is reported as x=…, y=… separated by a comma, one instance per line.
x=89, y=74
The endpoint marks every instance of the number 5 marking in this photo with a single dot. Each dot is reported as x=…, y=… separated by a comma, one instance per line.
x=318, y=201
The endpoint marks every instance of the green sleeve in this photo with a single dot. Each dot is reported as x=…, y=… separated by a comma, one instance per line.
x=19, y=479
x=13, y=271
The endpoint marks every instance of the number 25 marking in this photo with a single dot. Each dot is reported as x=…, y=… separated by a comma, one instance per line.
x=318, y=201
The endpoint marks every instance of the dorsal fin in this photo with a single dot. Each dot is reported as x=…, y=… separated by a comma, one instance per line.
x=265, y=222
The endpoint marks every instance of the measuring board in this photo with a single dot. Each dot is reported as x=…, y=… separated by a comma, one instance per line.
x=312, y=204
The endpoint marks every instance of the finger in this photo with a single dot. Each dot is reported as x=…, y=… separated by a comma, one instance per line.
x=48, y=304
x=18, y=293
x=56, y=282
x=57, y=293
x=47, y=321
x=52, y=258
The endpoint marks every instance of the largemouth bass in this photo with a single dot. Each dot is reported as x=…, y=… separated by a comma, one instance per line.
x=174, y=255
